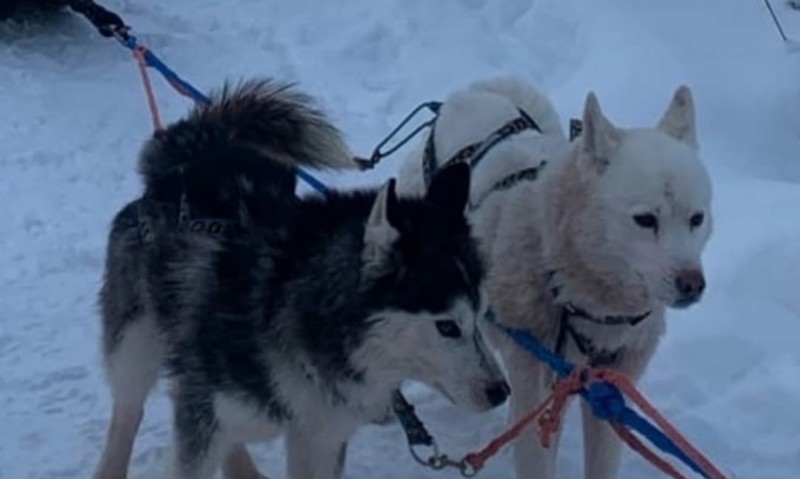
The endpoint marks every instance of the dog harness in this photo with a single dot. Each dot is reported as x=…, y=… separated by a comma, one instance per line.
x=186, y=221
x=596, y=357
x=474, y=153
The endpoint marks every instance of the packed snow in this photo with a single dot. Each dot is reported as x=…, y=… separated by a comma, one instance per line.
x=74, y=117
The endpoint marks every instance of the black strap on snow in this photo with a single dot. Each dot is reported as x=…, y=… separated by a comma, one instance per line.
x=108, y=23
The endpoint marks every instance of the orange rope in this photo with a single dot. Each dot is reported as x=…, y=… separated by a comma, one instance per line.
x=552, y=409
x=550, y=422
x=139, y=54
x=634, y=443
x=549, y=413
x=478, y=459
x=625, y=385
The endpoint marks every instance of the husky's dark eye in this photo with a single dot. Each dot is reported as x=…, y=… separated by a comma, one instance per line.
x=646, y=220
x=448, y=328
x=696, y=220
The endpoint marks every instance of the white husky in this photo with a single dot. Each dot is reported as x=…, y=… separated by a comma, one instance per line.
x=586, y=252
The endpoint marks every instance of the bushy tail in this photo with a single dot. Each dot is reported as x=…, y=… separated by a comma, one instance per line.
x=256, y=120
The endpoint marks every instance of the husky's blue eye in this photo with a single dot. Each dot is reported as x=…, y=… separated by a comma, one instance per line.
x=646, y=220
x=448, y=328
x=696, y=220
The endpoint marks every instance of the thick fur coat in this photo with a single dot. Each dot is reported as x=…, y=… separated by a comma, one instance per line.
x=612, y=227
x=301, y=315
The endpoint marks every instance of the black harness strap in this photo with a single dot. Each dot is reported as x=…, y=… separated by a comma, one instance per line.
x=429, y=156
x=217, y=227
x=108, y=23
x=510, y=181
x=474, y=152
x=416, y=434
x=596, y=357
x=575, y=312
x=575, y=128
x=209, y=226
x=513, y=127
x=465, y=154
x=142, y=223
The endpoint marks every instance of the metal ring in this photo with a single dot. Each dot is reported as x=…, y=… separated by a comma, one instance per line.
x=429, y=462
x=467, y=469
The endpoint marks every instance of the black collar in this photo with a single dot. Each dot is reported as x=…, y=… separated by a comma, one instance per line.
x=573, y=311
x=596, y=357
x=570, y=310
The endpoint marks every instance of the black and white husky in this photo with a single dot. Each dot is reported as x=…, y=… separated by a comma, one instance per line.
x=295, y=315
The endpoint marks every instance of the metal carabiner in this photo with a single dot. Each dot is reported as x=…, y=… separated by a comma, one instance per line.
x=438, y=461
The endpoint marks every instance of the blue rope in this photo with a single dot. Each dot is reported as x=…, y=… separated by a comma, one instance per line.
x=605, y=399
x=312, y=181
x=185, y=88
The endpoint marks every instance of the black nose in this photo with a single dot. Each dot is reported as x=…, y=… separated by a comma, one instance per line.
x=497, y=393
x=690, y=285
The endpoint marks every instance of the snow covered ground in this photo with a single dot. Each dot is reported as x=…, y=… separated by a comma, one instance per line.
x=73, y=117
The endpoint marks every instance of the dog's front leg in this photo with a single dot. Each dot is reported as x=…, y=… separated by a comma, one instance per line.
x=314, y=453
x=530, y=386
x=602, y=447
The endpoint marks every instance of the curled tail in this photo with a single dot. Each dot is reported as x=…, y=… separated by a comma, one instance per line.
x=256, y=121
x=241, y=150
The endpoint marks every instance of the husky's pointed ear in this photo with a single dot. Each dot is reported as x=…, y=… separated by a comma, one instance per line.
x=678, y=121
x=600, y=138
x=449, y=188
x=381, y=229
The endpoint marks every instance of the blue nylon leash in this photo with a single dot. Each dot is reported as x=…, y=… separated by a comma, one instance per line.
x=185, y=88
x=605, y=399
